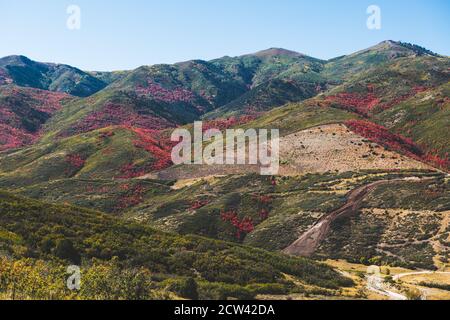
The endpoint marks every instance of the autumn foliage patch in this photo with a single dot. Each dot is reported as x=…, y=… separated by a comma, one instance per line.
x=133, y=196
x=157, y=145
x=354, y=102
x=363, y=104
x=22, y=113
x=223, y=124
x=396, y=142
x=161, y=94
x=243, y=226
x=198, y=204
x=117, y=115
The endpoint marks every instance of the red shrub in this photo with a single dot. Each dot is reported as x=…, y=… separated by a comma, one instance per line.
x=242, y=226
x=117, y=115
x=198, y=204
x=11, y=138
x=354, y=102
x=75, y=160
x=396, y=142
x=161, y=94
x=381, y=135
x=134, y=195
x=159, y=147
x=264, y=214
x=223, y=124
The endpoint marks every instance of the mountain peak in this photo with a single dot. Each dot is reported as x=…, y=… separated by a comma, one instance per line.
x=271, y=52
x=401, y=48
x=14, y=60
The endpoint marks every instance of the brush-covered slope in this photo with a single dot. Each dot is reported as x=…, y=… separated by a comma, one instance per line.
x=261, y=67
x=386, y=85
x=274, y=77
x=160, y=96
x=308, y=77
x=408, y=209
x=164, y=96
x=402, y=221
x=65, y=235
x=115, y=152
x=23, y=111
x=48, y=76
x=425, y=118
x=155, y=97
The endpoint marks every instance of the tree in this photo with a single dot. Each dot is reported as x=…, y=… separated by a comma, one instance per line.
x=65, y=250
x=188, y=289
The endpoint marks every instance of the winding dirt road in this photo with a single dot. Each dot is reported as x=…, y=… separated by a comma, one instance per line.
x=309, y=241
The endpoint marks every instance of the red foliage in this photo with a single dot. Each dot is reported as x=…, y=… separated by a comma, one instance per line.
x=404, y=97
x=198, y=204
x=107, y=134
x=437, y=161
x=264, y=199
x=134, y=196
x=223, y=124
x=242, y=226
x=396, y=142
x=161, y=94
x=381, y=135
x=361, y=104
x=75, y=160
x=29, y=104
x=160, y=147
x=11, y=138
x=117, y=115
x=264, y=214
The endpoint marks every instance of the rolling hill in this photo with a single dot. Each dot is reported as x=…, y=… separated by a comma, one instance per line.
x=38, y=232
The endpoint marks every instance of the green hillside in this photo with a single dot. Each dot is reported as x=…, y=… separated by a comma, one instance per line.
x=48, y=76
x=65, y=235
x=424, y=118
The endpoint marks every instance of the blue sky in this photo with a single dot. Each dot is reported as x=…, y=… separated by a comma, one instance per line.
x=117, y=35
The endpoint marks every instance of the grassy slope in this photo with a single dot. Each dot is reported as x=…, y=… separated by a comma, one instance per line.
x=34, y=229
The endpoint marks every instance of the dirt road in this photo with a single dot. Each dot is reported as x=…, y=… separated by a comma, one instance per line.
x=309, y=241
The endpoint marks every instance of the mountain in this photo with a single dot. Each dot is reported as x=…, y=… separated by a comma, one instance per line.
x=366, y=85
x=363, y=170
x=48, y=76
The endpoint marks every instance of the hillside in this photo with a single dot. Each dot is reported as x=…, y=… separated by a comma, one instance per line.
x=48, y=76
x=271, y=213
x=23, y=112
x=423, y=118
x=35, y=230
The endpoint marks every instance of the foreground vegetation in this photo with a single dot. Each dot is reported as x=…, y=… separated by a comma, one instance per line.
x=119, y=256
